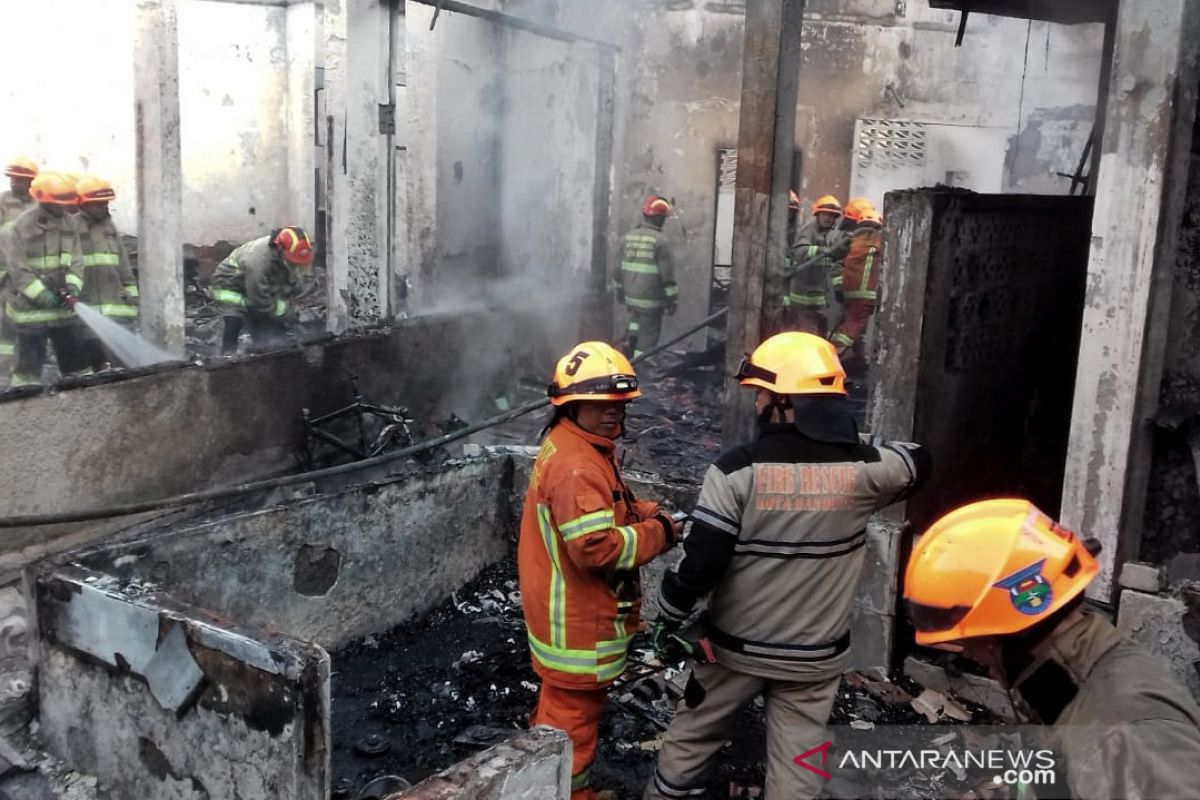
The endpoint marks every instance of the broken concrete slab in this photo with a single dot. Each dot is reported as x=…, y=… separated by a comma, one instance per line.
x=535, y=765
x=173, y=675
x=1157, y=622
x=1142, y=576
x=972, y=688
x=99, y=716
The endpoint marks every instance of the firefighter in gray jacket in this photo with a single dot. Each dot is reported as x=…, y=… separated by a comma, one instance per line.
x=776, y=540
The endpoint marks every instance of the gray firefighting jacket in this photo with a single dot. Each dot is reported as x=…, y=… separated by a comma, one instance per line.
x=777, y=538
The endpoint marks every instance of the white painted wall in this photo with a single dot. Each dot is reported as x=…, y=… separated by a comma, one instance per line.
x=233, y=116
x=76, y=113
x=71, y=111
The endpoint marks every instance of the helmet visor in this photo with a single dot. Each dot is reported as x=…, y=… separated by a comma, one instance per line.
x=935, y=619
x=748, y=369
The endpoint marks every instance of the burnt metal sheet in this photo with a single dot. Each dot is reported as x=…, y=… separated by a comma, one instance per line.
x=1068, y=12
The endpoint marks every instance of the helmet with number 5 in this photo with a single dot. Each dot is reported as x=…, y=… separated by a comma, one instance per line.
x=593, y=371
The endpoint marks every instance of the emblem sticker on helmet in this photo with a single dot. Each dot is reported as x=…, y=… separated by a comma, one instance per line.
x=1027, y=589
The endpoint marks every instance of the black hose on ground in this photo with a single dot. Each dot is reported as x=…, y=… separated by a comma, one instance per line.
x=229, y=492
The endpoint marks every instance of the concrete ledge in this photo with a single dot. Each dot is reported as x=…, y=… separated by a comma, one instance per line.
x=973, y=688
x=1142, y=577
x=1157, y=623
x=535, y=765
x=163, y=702
x=332, y=568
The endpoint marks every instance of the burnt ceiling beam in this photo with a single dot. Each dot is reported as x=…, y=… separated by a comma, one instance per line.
x=1067, y=12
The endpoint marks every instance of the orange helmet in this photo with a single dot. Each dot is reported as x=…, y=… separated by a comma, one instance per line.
x=858, y=206
x=21, y=168
x=294, y=245
x=94, y=190
x=794, y=363
x=593, y=371
x=872, y=216
x=827, y=205
x=51, y=188
x=992, y=568
x=655, y=206
x=793, y=200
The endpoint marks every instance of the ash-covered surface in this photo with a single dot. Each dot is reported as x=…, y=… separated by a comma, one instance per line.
x=453, y=682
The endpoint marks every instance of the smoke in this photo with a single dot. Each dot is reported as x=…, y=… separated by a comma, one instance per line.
x=513, y=229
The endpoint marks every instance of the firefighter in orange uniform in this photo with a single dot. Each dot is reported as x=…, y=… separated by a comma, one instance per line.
x=583, y=537
x=859, y=274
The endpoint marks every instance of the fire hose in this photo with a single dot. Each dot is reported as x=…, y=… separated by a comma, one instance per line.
x=230, y=492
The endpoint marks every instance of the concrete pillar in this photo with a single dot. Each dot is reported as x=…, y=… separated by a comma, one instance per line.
x=301, y=38
x=159, y=173
x=356, y=98
x=770, y=80
x=421, y=155
x=1135, y=227
x=598, y=320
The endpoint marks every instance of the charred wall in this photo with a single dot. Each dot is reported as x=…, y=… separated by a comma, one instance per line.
x=1171, y=535
x=983, y=294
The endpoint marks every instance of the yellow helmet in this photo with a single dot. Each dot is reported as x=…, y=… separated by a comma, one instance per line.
x=94, y=190
x=21, y=168
x=593, y=371
x=794, y=363
x=52, y=188
x=992, y=568
x=827, y=204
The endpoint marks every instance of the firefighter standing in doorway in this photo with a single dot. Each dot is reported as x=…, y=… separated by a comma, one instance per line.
x=583, y=537
x=1003, y=584
x=776, y=542
x=109, y=285
x=859, y=279
x=256, y=283
x=814, y=266
x=45, y=268
x=645, y=282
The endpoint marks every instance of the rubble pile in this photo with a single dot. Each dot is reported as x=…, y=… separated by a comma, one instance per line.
x=413, y=701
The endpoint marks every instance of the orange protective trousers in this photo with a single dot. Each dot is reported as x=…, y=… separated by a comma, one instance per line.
x=577, y=713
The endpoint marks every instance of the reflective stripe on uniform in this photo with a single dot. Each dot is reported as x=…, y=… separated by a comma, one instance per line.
x=33, y=289
x=841, y=339
x=628, y=556
x=865, y=294
x=102, y=260
x=558, y=589
x=581, y=781
x=807, y=298
x=24, y=380
x=634, y=327
x=132, y=290
x=580, y=662
x=8, y=349
x=37, y=315
x=75, y=281
x=281, y=307
x=229, y=297
x=117, y=310
x=639, y=302
x=588, y=523
x=637, y=266
x=49, y=262
x=671, y=290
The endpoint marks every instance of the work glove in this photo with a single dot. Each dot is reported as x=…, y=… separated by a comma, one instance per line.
x=47, y=299
x=66, y=299
x=673, y=642
x=670, y=528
